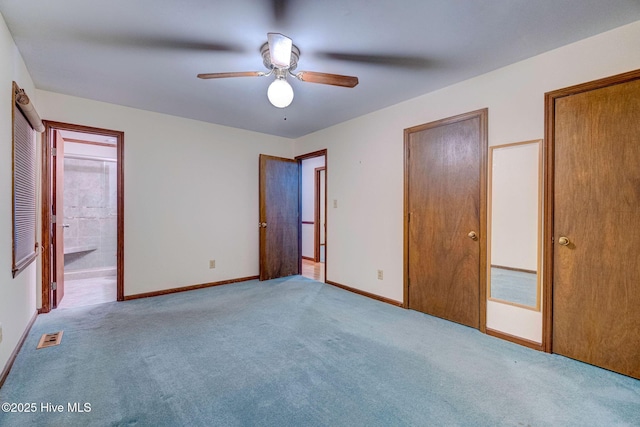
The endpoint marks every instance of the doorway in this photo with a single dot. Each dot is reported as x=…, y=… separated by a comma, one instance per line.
x=282, y=212
x=82, y=211
x=592, y=242
x=313, y=171
x=320, y=208
x=445, y=218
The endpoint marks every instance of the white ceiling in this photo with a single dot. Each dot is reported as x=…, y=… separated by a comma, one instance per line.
x=146, y=53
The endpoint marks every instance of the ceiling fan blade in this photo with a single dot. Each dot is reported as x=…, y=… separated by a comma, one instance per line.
x=327, y=79
x=185, y=44
x=279, y=50
x=393, y=60
x=157, y=42
x=279, y=10
x=231, y=74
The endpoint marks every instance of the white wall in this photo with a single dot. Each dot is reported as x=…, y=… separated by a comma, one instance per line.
x=365, y=231
x=308, y=203
x=17, y=295
x=191, y=192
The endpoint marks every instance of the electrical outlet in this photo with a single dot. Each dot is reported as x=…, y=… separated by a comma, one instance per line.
x=380, y=274
x=212, y=263
x=335, y=203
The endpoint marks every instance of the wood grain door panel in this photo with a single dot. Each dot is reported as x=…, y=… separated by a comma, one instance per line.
x=58, y=211
x=596, y=278
x=444, y=201
x=279, y=211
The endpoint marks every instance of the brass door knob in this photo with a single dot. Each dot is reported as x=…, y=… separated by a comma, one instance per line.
x=472, y=235
x=564, y=241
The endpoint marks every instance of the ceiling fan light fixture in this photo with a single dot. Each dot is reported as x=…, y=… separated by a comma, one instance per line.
x=280, y=93
x=280, y=56
x=280, y=50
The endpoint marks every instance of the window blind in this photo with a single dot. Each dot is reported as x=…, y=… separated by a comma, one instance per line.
x=24, y=191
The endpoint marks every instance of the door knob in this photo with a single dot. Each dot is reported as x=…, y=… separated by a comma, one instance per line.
x=472, y=235
x=262, y=225
x=564, y=241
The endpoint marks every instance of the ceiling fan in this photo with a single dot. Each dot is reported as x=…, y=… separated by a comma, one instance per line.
x=280, y=56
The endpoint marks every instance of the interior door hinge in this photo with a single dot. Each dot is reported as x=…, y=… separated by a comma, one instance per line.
x=54, y=286
x=54, y=151
x=53, y=219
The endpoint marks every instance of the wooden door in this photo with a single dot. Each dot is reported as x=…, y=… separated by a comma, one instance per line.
x=595, y=201
x=445, y=222
x=57, y=290
x=279, y=217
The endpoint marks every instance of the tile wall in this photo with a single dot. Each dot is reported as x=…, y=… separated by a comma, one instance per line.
x=90, y=210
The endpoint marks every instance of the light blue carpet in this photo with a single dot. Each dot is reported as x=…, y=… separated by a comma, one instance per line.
x=295, y=352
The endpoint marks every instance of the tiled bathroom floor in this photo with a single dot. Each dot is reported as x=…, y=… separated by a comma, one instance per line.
x=91, y=291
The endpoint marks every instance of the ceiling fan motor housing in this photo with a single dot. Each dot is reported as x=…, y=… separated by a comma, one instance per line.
x=266, y=57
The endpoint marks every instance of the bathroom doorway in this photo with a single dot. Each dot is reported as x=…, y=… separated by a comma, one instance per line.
x=85, y=216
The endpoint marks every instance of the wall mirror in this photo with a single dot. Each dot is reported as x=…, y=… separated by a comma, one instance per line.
x=515, y=217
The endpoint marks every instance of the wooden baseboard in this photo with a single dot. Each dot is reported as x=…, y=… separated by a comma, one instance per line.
x=517, y=340
x=14, y=354
x=309, y=258
x=364, y=293
x=188, y=288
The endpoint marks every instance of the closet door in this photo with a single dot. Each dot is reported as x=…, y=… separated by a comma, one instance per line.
x=595, y=201
x=445, y=258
